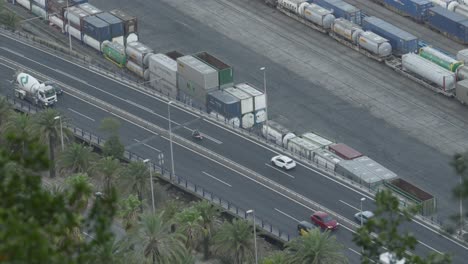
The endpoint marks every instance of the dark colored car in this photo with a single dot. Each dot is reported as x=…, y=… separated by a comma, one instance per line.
x=324, y=220
x=303, y=227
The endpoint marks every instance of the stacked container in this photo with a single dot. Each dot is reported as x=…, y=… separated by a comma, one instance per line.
x=138, y=56
x=56, y=10
x=344, y=151
x=114, y=52
x=74, y=16
x=95, y=31
x=276, y=133
x=462, y=91
x=341, y=9
x=39, y=8
x=24, y=3
x=417, y=9
x=130, y=25
x=259, y=101
x=225, y=72
x=302, y=147
x=325, y=159
x=316, y=139
x=195, y=79
x=90, y=9
x=116, y=26
x=247, y=106
x=163, y=74
x=451, y=24
x=224, y=106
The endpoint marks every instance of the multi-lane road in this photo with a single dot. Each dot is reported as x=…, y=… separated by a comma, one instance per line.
x=222, y=180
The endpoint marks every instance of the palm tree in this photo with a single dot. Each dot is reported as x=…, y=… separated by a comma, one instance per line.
x=78, y=158
x=235, y=240
x=208, y=213
x=129, y=209
x=79, y=190
x=117, y=252
x=190, y=225
x=5, y=110
x=18, y=124
x=153, y=235
x=278, y=257
x=108, y=170
x=135, y=178
x=316, y=247
x=48, y=127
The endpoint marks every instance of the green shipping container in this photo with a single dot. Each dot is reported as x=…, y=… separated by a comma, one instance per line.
x=449, y=65
x=225, y=72
x=114, y=52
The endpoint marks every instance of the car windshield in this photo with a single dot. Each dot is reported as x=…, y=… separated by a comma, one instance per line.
x=289, y=162
x=327, y=219
x=50, y=92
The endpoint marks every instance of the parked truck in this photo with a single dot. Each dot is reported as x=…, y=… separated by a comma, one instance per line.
x=29, y=88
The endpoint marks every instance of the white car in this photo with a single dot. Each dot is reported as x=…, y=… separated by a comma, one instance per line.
x=283, y=162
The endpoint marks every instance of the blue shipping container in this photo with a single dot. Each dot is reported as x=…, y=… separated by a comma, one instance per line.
x=341, y=9
x=96, y=28
x=451, y=24
x=116, y=25
x=417, y=9
x=224, y=104
x=402, y=42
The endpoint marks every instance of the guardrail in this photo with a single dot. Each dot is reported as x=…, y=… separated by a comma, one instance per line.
x=181, y=182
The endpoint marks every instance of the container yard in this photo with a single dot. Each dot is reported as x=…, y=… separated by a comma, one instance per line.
x=276, y=133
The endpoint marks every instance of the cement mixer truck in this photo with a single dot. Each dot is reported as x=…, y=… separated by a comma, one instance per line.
x=29, y=88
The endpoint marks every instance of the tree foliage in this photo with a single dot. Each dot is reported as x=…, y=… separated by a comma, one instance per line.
x=135, y=179
x=235, y=240
x=129, y=211
x=78, y=158
x=113, y=147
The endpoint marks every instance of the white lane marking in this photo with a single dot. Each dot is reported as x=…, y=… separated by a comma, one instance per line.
x=12, y=51
x=285, y=214
x=71, y=76
x=285, y=173
x=83, y=115
x=221, y=181
x=146, y=145
x=352, y=250
x=355, y=208
x=8, y=66
x=218, y=125
x=206, y=136
x=143, y=108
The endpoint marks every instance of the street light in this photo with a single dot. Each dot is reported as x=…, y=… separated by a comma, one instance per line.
x=251, y=211
x=146, y=161
x=263, y=69
x=461, y=208
x=61, y=130
x=170, y=138
x=362, y=200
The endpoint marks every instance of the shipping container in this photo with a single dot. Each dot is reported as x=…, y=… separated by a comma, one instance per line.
x=163, y=86
x=225, y=72
x=325, y=159
x=74, y=15
x=40, y=3
x=235, y=122
x=432, y=72
x=24, y=3
x=259, y=97
x=138, y=70
x=57, y=7
x=90, y=9
x=462, y=73
x=365, y=171
x=462, y=91
x=277, y=133
x=375, y=44
x=130, y=22
x=347, y=30
x=344, y=151
x=452, y=25
x=39, y=11
x=341, y=9
x=196, y=71
x=74, y=32
x=224, y=103
x=163, y=67
x=442, y=3
x=96, y=28
x=411, y=195
x=317, y=15
x=116, y=26
x=402, y=42
x=55, y=20
x=260, y=116
x=139, y=53
x=174, y=54
x=462, y=55
x=192, y=93
x=416, y=9
x=302, y=147
x=90, y=41
x=316, y=139
x=291, y=5
x=114, y=52
x=458, y=8
x=246, y=100
x=248, y=120
x=440, y=58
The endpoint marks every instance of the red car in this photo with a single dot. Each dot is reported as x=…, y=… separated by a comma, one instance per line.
x=323, y=220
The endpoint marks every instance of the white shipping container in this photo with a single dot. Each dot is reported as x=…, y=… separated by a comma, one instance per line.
x=462, y=91
x=192, y=69
x=95, y=44
x=302, y=147
x=54, y=20
x=77, y=34
x=462, y=55
x=24, y=3
x=138, y=70
x=132, y=37
x=119, y=40
x=260, y=116
x=245, y=99
x=138, y=53
x=428, y=70
x=277, y=133
x=325, y=158
x=164, y=67
x=259, y=97
x=74, y=15
x=235, y=121
x=41, y=3
x=248, y=120
x=90, y=9
x=316, y=139
x=318, y=15
x=291, y=5
x=39, y=11
x=165, y=87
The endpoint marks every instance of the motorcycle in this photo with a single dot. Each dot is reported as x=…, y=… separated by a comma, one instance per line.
x=196, y=135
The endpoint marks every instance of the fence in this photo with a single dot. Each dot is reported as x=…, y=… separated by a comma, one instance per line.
x=181, y=182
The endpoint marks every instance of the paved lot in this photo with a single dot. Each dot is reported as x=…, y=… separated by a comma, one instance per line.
x=317, y=84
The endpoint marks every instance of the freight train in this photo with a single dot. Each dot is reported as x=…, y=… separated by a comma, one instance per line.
x=378, y=40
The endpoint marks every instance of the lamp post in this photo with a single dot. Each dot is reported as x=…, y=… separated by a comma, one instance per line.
x=362, y=200
x=61, y=130
x=251, y=211
x=461, y=209
x=146, y=161
x=263, y=69
x=170, y=138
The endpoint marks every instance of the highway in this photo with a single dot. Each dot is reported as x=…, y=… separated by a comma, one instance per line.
x=233, y=186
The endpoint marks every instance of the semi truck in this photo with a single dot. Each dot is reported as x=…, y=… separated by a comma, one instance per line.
x=29, y=88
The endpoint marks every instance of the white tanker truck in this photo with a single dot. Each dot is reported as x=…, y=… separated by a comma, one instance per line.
x=29, y=88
